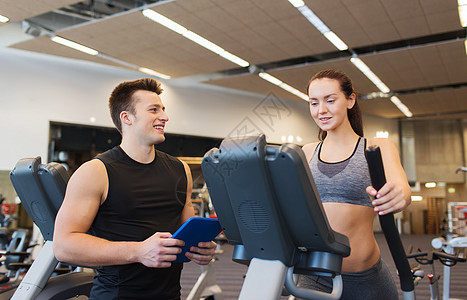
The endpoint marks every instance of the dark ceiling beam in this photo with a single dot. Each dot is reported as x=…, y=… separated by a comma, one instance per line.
x=418, y=90
x=365, y=50
x=445, y=115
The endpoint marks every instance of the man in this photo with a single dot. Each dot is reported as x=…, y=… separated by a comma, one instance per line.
x=133, y=198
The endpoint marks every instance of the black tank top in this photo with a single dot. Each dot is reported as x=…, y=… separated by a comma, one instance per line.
x=142, y=199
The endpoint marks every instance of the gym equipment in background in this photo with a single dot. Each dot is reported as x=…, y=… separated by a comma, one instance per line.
x=428, y=258
x=454, y=238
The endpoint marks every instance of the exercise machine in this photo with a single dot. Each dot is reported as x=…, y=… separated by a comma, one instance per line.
x=388, y=225
x=453, y=239
x=13, y=257
x=41, y=189
x=269, y=209
x=206, y=286
x=428, y=258
x=267, y=204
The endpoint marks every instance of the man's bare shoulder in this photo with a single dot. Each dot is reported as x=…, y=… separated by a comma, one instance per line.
x=90, y=177
x=93, y=168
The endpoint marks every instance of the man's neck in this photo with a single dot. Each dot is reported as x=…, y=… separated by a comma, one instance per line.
x=140, y=153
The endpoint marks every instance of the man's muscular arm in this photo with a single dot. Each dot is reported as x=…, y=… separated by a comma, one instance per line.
x=86, y=191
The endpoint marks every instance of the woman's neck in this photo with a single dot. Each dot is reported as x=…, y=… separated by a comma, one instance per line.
x=341, y=136
x=338, y=147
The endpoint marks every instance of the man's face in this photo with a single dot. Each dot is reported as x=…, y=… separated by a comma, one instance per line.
x=150, y=117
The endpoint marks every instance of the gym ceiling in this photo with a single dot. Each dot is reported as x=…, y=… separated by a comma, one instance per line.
x=416, y=47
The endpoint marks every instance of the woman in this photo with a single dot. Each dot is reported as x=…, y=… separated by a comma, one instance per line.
x=341, y=175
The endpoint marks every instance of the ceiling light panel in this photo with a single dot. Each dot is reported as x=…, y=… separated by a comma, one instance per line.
x=283, y=85
x=368, y=73
x=74, y=45
x=93, y=52
x=336, y=41
x=133, y=38
x=43, y=44
x=419, y=67
x=381, y=107
x=370, y=22
x=17, y=10
x=255, y=84
x=257, y=31
x=174, y=26
x=313, y=18
x=463, y=14
x=3, y=19
x=164, y=21
x=153, y=73
x=270, y=36
x=316, y=21
x=297, y=3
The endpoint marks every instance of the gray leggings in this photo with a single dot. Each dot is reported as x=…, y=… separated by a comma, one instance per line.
x=374, y=283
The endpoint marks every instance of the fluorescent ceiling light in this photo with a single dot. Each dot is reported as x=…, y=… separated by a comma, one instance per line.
x=401, y=106
x=316, y=21
x=297, y=3
x=203, y=42
x=214, y=48
x=368, y=73
x=463, y=14
x=153, y=73
x=235, y=59
x=90, y=51
x=283, y=85
x=156, y=17
x=336, y=41
x=270, y=78
x=310, y=15
x=396, y=100
x=430, y=185
x=381, y=86
x=416, y=198
x=74, y=45
x=3, y=19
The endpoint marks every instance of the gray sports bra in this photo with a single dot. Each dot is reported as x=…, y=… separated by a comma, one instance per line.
x=344, y=181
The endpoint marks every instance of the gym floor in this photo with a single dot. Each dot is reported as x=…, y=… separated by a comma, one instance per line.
x=230, y=275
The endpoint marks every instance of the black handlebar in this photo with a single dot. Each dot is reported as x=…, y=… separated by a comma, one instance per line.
x=378, y=179
x=426, y=258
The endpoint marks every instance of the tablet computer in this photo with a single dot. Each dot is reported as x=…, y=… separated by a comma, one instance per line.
x=196, y=230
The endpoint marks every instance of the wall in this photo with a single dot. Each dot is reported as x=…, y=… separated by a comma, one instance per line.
x=36, y=89
x=5, y=185
x=372, y=124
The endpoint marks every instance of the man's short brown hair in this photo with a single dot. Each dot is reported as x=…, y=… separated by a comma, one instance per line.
x=121, y=98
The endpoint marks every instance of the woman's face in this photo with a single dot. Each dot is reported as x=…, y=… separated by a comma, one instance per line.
x=328, y=104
